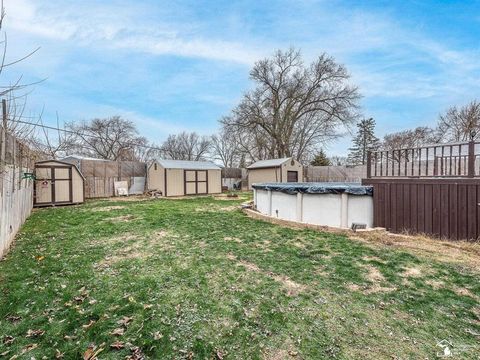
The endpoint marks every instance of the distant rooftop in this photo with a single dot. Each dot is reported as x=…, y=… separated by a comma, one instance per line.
x=189, y=165
x=268, y=163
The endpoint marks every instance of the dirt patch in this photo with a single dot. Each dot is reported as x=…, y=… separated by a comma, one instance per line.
x=230, y=238
x=280, y=355
x=414, y=272
x=461, y=291
x=215, y=209
x=374, y=258
x=436, y=284
x=133, y=251
x=122, y=218
x=113, y=240
x=375, y=277
x=293, y=288
x=106, y=208
x=129, y=198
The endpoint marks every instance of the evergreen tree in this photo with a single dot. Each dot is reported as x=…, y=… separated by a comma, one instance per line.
x=320, y=159
x=363, y=142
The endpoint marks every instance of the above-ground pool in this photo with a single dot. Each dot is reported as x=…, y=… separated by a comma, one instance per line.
x=329, y=204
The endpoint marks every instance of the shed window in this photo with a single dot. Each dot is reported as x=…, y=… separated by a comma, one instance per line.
x=155, y=166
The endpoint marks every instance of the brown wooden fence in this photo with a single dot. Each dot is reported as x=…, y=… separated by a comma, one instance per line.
x=442, y=207
x=100, y=175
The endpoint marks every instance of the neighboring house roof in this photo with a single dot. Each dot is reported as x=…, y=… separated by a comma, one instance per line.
x=268, y=163
x=189, y=165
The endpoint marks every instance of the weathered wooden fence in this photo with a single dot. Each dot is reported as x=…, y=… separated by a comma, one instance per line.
x=100, y=175
x=335, y=173
x=16, y=192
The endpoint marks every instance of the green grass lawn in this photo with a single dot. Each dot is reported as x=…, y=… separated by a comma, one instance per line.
x=198, y=279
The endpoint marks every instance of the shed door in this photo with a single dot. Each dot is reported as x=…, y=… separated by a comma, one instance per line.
x=292, y=176
x=53, y=185
x=196, y=182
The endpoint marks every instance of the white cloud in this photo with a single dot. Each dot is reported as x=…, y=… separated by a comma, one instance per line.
x=113, y=28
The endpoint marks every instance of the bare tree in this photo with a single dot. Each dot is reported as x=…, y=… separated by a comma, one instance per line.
x=225, y=148
x=460, y=124
x=112, y=138
x=295, y=108
x=338, y=160
x=54, y=143
x=186, y=146
x=417, y=137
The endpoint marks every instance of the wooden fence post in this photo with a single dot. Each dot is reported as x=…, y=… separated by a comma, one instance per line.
x=471, y=159
x=369, y=164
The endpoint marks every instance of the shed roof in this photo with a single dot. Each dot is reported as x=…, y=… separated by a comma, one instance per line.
x=268, y=163
x=189, y=165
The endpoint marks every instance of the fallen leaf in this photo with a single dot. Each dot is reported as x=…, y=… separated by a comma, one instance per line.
x=8, y=340
x=219, y=355
x=147, y=306
x=58, y=354
x=79, y=299
x=28, y=348
x=136, y=354
x=13, y=318
x=124, y=321
x=39, y=257
x=92, y=352
x=118, y=331
x=35, y=333
x=89, y=325
x=117, y=345
x=157, y=335
x=92, y=302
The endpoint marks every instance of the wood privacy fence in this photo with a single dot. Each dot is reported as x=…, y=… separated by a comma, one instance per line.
x=430, y=189
x=100, y=175
x=16, y=192
x=335, y=173
x=444, y=208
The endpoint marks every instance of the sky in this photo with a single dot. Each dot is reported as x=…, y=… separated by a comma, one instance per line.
x=171, y=66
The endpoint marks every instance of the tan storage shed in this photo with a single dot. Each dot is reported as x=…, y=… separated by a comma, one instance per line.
x=275, y=170
x=57, y=183
x=181, y=177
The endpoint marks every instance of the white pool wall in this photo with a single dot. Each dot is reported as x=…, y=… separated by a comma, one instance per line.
x=336, y=210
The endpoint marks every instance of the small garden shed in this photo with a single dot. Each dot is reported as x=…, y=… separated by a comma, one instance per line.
x=181, y=177
x=275, y=170
x=57, y=183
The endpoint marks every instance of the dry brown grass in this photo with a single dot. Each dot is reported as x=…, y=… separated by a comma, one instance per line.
x=292, y=288
x=461, y=252
x=106, y=208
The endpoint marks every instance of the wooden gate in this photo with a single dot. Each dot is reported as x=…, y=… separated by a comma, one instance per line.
x=444, y=208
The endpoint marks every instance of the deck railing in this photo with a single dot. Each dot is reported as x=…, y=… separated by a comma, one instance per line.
x=439, y=160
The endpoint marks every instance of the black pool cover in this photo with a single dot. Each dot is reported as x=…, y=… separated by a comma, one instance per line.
x=317, y=188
